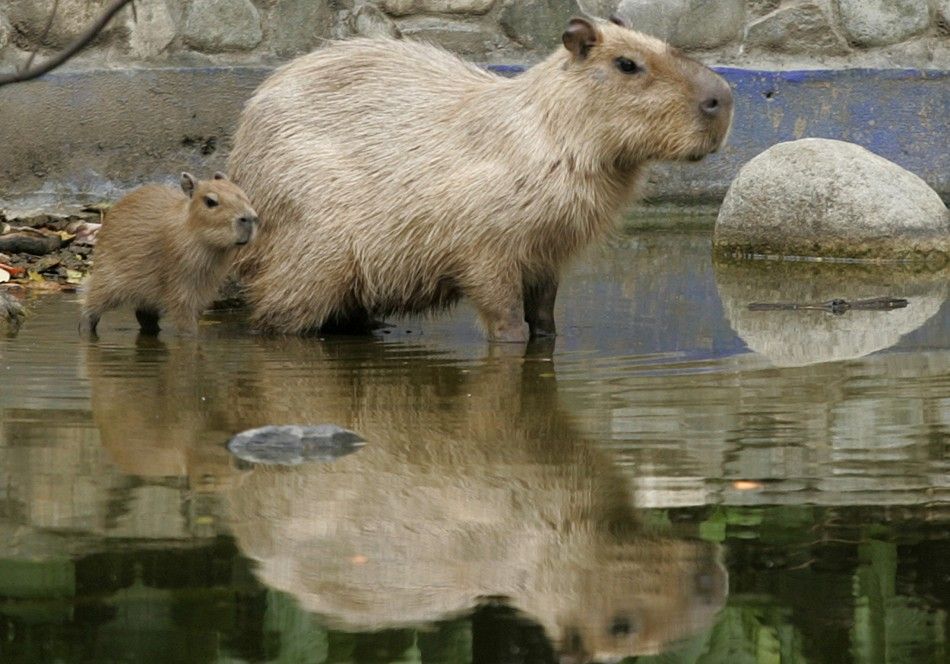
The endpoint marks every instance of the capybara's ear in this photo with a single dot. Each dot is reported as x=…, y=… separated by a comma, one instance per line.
x=218, y=175
x=580, y=37
x=616, y=20
x=188, y=183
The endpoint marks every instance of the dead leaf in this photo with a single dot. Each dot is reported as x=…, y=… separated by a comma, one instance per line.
x=74, y=276
x=747, y=485
x=65, y=237
x=35, y=276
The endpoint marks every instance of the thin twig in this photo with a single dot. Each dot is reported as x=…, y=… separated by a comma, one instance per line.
x=80, y=43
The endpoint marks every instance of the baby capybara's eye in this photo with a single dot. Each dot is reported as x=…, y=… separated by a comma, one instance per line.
x=627, y=66
x=211, y=201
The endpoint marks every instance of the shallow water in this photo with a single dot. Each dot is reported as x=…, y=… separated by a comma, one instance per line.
x=677, y=478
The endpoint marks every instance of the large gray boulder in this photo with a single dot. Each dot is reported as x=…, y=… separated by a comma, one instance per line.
x=825, y=198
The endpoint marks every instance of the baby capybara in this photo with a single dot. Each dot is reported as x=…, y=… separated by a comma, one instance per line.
x=166, y=251
x=394, y=177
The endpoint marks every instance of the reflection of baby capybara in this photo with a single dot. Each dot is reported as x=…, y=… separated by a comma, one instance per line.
x=395, y=178
x=166, y=251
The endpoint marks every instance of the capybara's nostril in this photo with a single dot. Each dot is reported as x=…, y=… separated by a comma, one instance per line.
x=248, y=220
x=711, y=106
x=715, y=96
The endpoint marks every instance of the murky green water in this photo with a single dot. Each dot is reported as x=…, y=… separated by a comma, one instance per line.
x=678, y=479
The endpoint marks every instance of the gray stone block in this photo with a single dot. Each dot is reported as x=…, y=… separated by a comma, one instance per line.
x=298, y=26
x=72, y=17
x=942, y=11
x=406, y=7
x=537, y=24
x=804, y=28
x=820, y=197
x=687, y=23
x=763, y=7
x=601, y=8
x=883, y=22
x=152, y=29
x=214, y=26
x=466, y=38
x=5, y=31
x=369, y=21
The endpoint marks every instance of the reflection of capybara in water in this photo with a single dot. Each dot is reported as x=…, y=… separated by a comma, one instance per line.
x=166, y=251
x=161, y=410
x=395, y=178
x=473, y=484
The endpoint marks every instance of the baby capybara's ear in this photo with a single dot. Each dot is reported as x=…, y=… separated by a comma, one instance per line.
x=188, y=183
x=218, y=175
x=616, y=20
x=580, y=37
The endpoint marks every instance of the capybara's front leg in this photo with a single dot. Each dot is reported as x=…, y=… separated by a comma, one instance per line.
x=148, y=321
x=88, y=321
x=96, y=301
x=539, y=307
x=500, y=305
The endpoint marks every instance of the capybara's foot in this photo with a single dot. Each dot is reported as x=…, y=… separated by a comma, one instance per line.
x=542, y=329
x=539, y=300
x=186, y=328
x=508, y=331
x=148, y=321
x=357, y=322
x=88, y=321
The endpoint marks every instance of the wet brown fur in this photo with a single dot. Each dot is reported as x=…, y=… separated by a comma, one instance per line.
x=394, y=178
x=164, y=252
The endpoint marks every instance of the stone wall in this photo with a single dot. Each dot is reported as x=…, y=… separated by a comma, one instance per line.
x=754, y=33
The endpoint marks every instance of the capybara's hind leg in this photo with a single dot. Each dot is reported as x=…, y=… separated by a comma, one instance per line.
x=148, y=320
x=539, y=307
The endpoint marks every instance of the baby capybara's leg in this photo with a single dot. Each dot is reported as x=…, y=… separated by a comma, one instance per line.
x=186, y=320
x=148, y=320
x=539, y=299
x=88, y=321
x=96, y=301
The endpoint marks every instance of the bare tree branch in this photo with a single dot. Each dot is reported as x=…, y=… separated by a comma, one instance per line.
x=80, y=43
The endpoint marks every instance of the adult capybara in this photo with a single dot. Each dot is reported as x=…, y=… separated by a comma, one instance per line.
x=167, y=251
x=394, y=178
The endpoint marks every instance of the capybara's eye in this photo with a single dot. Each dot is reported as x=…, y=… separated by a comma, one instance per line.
x=211, y=201
x=620, y=626
x=627, y=66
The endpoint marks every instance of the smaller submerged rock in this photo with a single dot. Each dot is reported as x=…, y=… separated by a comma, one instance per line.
x=293, y=444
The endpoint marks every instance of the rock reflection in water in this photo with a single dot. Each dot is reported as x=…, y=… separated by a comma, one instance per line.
x=476, y=486
x=799, y=338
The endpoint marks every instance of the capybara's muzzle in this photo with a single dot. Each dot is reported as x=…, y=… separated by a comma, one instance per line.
x=715, y=106
x=245, y=228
